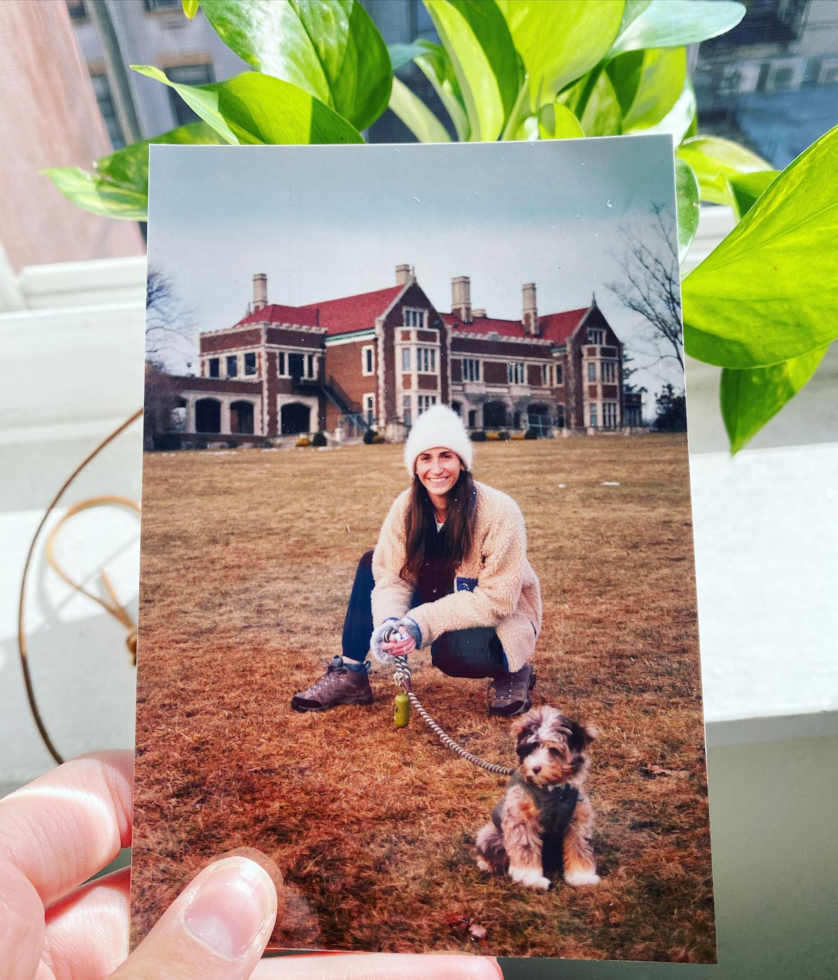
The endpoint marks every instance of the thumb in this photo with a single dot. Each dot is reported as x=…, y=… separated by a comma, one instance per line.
x=216, y=929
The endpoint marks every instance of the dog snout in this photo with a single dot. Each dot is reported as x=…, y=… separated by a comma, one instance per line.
x=536, y=770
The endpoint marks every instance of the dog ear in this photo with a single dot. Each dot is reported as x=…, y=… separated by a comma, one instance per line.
x=581, y=736
x=590, y=733
x=524, y=726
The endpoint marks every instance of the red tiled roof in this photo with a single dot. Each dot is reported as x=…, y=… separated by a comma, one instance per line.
x=338, y=315
x=554, y=326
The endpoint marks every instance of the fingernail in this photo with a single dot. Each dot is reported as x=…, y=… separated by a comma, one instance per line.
x=234, y=902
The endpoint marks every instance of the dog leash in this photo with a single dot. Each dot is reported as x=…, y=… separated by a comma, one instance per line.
x=406, y=698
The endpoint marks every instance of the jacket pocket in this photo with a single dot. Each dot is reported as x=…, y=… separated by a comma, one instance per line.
x=466, y=584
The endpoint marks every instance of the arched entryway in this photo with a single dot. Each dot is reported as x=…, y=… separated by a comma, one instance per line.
x=241, y=418
x=494, y=415
x=294, y=419
x=208, y=415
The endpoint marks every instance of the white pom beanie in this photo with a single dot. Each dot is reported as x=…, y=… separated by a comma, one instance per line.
x=438, y=427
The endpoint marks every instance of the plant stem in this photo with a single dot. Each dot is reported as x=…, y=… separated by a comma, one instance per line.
x=520, y=111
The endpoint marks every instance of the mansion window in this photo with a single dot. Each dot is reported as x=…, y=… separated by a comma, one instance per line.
x=609, y=415
x=406, y=415
x=593, y=421
x=232, y=366
x=471, y=369
x=369, y=408
x=425, y=402
x=367, y=359
x=415, y=318
x=545, y=374
x=184, y=75
x=591, y=371
x=609, y=371
x=559, y=377
x=426, y=359
x=632, y=415
x=250, y=363
x=405, y=358
x=214, y=365
x=515, y=372
x=596, y=336
x=295, y=365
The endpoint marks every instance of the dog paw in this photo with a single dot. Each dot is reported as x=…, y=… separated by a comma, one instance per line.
x=581, y=877
x=483, y=865
x=529, y=877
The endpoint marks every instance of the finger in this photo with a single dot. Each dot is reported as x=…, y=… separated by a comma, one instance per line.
x=380, y=966
x=217, y=928
x=87, y=932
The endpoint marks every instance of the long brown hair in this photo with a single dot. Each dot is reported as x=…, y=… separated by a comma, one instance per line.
x=420, y=522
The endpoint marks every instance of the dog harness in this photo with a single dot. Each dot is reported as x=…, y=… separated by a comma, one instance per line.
x=555, y=805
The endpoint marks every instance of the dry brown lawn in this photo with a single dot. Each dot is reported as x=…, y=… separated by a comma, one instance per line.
x=248, y=559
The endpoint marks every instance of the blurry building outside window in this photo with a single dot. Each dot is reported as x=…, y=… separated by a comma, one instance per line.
x=107, y=108
x=187, y=75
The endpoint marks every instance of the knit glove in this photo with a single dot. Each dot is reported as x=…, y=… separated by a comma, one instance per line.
x=381, y=634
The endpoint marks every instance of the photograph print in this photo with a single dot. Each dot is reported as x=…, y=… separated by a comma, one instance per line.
x=418, y=615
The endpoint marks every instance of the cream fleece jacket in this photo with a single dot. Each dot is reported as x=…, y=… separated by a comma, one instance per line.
x=495, y=585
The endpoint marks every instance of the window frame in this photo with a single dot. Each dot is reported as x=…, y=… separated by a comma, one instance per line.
x=513, y=370
x=234, y=359
x=255, y=372
x=368, y=353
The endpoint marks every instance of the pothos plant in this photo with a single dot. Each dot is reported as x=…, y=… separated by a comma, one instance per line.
x=761, y=306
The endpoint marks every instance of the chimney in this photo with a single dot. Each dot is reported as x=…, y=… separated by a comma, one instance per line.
x=404, y=274
x=260, y=291
x=477, y=313
x=461, y=298
x=530, y=317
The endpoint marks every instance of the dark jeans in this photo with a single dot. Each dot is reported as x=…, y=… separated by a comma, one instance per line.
x=460, y=653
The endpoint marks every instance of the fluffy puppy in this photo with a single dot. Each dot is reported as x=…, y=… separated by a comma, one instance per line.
x=544, y=804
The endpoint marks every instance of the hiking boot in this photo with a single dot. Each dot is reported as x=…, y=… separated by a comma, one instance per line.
x=510, y=695
x=339, y=685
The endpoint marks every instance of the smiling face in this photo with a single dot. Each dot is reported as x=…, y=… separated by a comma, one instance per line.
x=438, y=471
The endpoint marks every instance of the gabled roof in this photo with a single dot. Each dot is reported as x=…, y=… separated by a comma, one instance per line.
x=338, y=316
x=554, y=326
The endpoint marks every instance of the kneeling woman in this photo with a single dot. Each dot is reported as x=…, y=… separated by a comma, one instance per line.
x=450, y=571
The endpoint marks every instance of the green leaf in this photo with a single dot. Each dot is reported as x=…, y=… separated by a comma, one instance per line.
x=98, y=195
x=560, y=42
x=649, y=84
x=190, y=7
x=119, y=187
x=416, y=115
x=602, y=115
x=714, y=160
x=477, y=40
x=686, y=198
x=255, y=108
x=437, y=68
x=673, y=23
x=680, y=119
x=769, y=291
x=746, y=189
x=329, y=48
x=557, y=122
x=751, y=397
x=402, y=54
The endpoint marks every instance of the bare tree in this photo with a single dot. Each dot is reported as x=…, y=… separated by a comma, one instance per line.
x=169, y=327
x=650, y=285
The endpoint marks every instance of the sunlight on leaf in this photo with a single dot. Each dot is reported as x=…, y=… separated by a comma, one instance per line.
x=416, y=115
x=557, y=122
x=679, y=120
x=751, y=397
x=714, y=160
x=650, y=87
x=747, y=188
x=256, y=108
x=674, y=23
x=190, y=7
x=98, y=195
x=769, y=291
x=686, y=197
x=329, y=48
x=602, y=114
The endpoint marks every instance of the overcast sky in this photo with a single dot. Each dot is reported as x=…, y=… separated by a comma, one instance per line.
x=327, y=221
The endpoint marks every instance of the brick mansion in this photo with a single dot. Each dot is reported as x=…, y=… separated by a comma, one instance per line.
x=379, y=359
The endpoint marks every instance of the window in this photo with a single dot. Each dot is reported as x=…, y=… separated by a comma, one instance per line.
x=609, y=371
x=425, y=402
x=281, y=364
x=609, y=415
x=367, y=359
x=186, y=75
x=591, y=371
x=108, y=109
x=76, y=10
x=405, y=358
x=515, y=372
x=426, y=359
x=369, y=408
x=161, y=4
x=596, y=336
x=214, y=367
x=406, y=410
x=415, y=318
x=471, y=369
x=559, y=377
x=310, y=366
x=250, y=363
x=545, y=374
x=232, y=365
x=593, y=415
